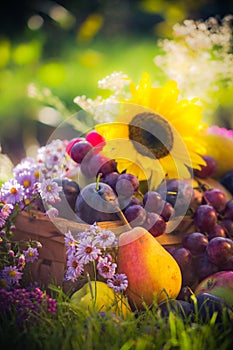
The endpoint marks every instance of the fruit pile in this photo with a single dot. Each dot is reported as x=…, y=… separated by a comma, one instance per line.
x=109, y=196
x=209, y=248
x=121, y=191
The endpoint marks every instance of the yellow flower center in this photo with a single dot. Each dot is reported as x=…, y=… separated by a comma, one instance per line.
x=37, y=174
x=151, y=135
x=13, y=190
x=12, y=273
x=49, y=188
x=26, y=183
x=3, y=283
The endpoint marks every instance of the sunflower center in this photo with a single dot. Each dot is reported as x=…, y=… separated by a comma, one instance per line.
x=151, y=135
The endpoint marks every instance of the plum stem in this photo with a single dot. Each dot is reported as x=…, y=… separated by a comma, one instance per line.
x=123, y=218
x=97, y=186
x=171, y=192
x=140, y=193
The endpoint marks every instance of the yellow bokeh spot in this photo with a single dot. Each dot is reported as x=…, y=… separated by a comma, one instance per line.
x=90, y=27
x=26, y=53
x=174, y=14
x=90, y=58
x=52, y=73
x=152, y=6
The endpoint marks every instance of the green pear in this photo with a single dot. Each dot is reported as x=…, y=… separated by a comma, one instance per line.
x=99, y=297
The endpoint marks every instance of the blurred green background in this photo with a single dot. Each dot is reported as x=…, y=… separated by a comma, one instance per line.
x=67, y=46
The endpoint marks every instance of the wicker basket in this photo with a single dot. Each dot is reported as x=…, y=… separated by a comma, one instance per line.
x=50, y=266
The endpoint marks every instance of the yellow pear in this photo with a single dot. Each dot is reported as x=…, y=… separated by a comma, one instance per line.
x=153, y=274
x=97, y=296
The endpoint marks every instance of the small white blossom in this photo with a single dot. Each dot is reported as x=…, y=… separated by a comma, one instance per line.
x=104, y=239
x=52, y=213
x=114, y=82
x=87, y=252
x=199, y=58
x=118, y=282
x=106, y=268
x=49, y=190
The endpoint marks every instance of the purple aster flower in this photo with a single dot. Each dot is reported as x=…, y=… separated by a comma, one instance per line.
x=52, y=213
x=49, y=190
x=12, y=192
x=21, y=262
x=27, y=180
x=26, y=164
x=94, y=229
x=75, y=268
x=106, y=268
x=70, y=243
x=2, y=222
x=31, y=254
x=104, y=238
x=118, y=282
x=51, y=157
x=85, y=235
x=87, y=252
x=11, y=274
x=6, y=210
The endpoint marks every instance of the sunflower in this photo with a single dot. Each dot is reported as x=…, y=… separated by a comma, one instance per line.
x=155, y=135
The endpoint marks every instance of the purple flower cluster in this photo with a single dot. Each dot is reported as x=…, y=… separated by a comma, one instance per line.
x=32, y=184
x=33, y=179
x=14, y=263
x=53, y=159
x=91, y=246
x=26, y=304
x=28, y=185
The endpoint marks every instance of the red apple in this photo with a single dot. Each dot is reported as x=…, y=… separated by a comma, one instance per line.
x=219, y=284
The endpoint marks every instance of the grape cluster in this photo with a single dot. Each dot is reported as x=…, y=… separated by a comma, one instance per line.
x=148, y=210
x=227, y=181
x=26, y=304
x=85, y=152
x=209, y=248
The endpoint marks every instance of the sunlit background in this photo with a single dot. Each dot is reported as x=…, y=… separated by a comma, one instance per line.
x=52, y=51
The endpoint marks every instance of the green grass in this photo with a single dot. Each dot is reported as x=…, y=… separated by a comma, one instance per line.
x=71, y=329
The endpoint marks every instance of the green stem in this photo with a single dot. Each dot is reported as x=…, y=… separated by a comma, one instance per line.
x=97, y=187
x=123, y=218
